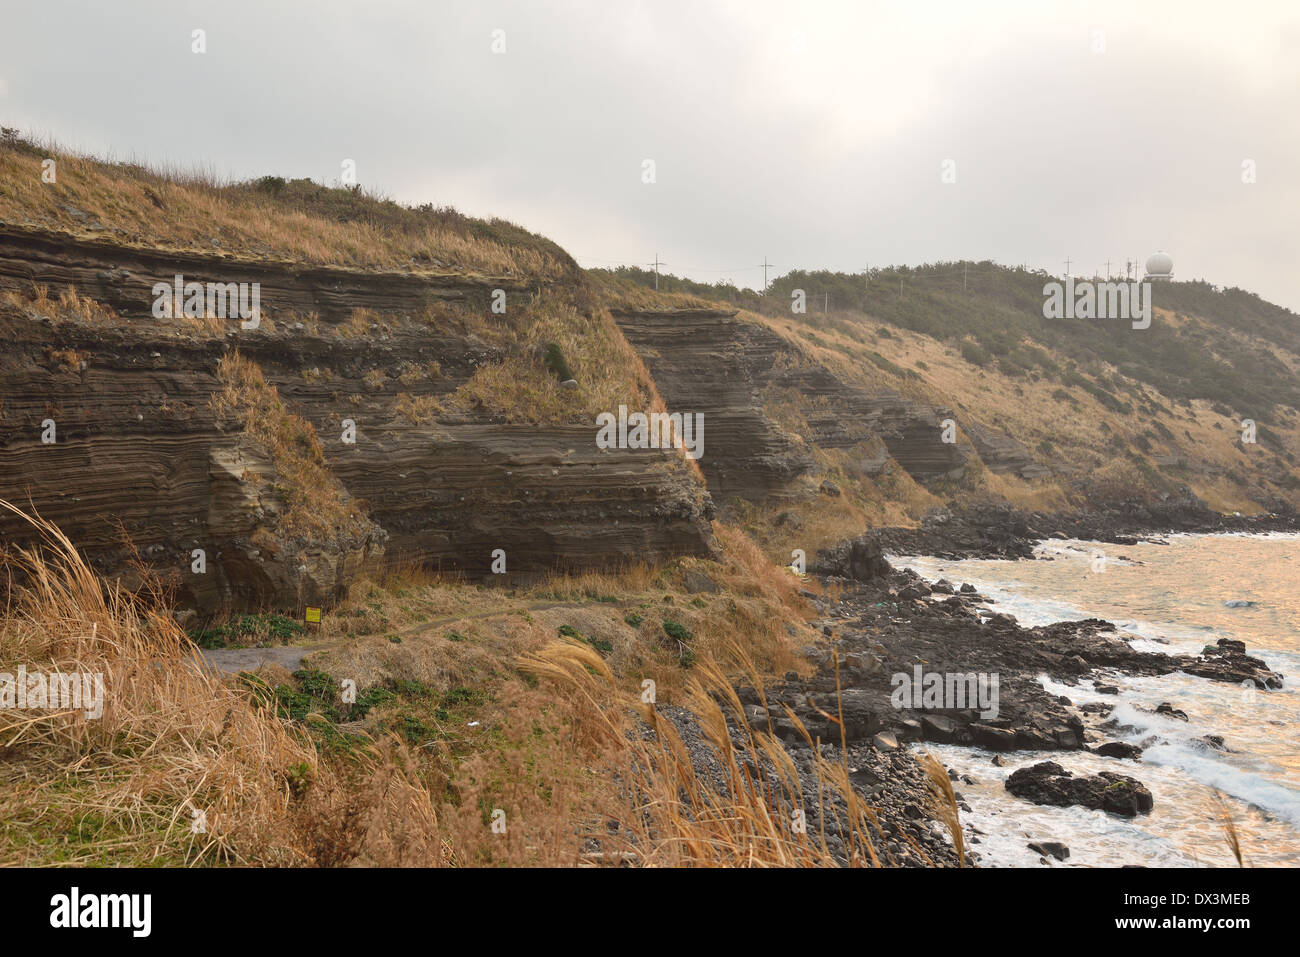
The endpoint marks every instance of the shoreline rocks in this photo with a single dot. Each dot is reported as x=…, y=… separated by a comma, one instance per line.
x=1050, y=784
x=1003, y=531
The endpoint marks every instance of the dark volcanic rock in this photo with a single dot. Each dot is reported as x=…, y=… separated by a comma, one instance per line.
x=1048, y=783
x=861, y=560
x=999, y=530
x=1169, y=710
x=1118, y=749
x=1050, y=849
x=1228, y=661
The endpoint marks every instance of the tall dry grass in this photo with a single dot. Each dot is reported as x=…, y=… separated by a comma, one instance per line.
x=173, y=740
x=295, y=221
x=582, y=771
x=752, y=812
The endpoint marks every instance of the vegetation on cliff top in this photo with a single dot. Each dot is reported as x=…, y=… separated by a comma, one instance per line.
x=1112, y=411
x=1224, y=345
x=295, y=220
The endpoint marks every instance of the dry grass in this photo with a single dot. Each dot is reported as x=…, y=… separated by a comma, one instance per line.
x=172, y=740
x=521, y=387
x=753, y=813
x=945, y=803
x=624, y=294
x=417, y=410
x=1231, y=835
x=69, y=306
x=566, y=756
x=316, y=504
x=296, y=222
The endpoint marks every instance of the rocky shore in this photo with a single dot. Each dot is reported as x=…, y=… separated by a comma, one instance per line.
x=886, y=622
x=1003, y=531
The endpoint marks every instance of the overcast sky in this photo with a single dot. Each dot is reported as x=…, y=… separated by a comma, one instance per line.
x=813, y=134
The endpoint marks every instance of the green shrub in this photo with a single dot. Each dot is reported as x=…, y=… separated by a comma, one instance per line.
x=975, y=354
x=674, y=630
x=556, y=362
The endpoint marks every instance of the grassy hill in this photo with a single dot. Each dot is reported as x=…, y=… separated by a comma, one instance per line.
x=1110, y=410
x=270, y=217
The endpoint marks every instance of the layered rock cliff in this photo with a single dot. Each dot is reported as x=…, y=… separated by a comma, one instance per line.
x=374, y=430
x=740, y=372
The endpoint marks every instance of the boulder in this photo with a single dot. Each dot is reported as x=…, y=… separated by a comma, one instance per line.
x=1049, y=784
x=1053, y=849
x=938, y=727
x=995, y=739
x=697, y=581
x=1118, y=749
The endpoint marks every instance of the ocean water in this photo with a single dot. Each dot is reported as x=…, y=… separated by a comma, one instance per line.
x=1171, y=598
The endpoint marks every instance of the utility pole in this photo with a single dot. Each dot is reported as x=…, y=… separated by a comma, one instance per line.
x=765, y=264
x=1108, y=270
x=1067, y=268
x=826, y=300
x=657, y=264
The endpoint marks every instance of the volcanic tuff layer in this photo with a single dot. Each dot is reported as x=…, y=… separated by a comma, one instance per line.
x=713, y=361
x=443, y=485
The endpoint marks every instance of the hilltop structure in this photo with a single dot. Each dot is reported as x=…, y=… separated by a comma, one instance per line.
x=1160, y=267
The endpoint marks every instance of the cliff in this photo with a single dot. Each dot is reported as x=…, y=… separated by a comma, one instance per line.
x=446, y=463
x=739, y=372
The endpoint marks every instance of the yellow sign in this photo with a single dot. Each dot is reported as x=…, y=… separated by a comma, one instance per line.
x=313, y=615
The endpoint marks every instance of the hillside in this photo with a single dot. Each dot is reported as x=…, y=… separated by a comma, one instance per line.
x=1052, y=414
x=602, y=644
x=400, y=395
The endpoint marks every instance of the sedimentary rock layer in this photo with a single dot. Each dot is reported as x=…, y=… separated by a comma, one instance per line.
x=713, y=361
x=138, y=444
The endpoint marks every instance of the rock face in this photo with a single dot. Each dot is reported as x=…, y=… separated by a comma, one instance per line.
x=137, y=441
x=714, y=362
x=999, y=530
x=861, y=560
x=1049, y=783
x=1228, y=661
x=708, y=361
x=1002, y=453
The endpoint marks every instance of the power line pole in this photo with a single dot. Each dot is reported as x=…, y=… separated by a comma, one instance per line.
x=1108, y=270
x=657, y=264
x=765, y=264
x=826, y=299
x=1067, y=268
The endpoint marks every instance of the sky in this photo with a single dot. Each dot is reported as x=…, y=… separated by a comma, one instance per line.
x=814, y=135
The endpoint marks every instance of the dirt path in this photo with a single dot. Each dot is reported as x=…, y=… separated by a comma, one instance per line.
x=234, y=660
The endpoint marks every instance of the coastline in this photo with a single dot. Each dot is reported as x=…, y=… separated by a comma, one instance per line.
x=882, y=621
x=1004, y=531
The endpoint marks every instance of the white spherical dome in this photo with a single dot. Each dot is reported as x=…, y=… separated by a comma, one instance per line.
x=1160, y=265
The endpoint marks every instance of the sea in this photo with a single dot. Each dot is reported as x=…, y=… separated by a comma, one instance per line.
x=1173, y=595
